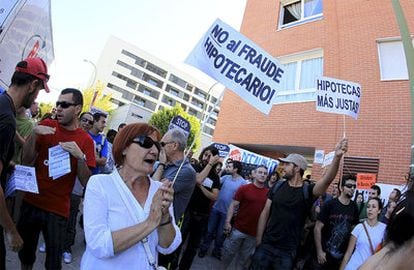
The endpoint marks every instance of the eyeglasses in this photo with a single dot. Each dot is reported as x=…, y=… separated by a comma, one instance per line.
x=90, y=122
x=350, y=186
x=146, y=142
x=163, y=144
x=64, y=104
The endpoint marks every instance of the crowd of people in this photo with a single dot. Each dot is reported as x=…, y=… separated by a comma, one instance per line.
x=148, y=205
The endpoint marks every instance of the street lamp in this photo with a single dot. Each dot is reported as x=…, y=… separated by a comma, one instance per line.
x=95, y=70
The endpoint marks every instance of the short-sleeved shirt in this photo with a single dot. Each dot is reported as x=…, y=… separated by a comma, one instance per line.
x=183, y=186
x=362, y=247
x=288, y=213
x=338, y=220
x=7, y=133
x=54, y=195
x=252, y=200
x=199, y=202
x=101, y=147
x=228, y=188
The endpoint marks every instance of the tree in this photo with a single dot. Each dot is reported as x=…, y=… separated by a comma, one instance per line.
x=162, y=118
x=45, y=107
x=100, y=100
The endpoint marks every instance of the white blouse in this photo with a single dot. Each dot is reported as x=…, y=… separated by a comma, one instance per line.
x=105, y=211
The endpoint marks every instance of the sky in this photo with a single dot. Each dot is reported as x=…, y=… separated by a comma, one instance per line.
x=167, y=29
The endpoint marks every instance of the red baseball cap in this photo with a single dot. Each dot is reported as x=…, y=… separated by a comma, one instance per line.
x=37, y=67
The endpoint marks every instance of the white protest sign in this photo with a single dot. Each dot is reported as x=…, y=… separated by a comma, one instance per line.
x=23, y=178
x=5, y=9
x=328, y=159
x=59, y=162
x=337, y=96
x=239, y=64
x=319, y=157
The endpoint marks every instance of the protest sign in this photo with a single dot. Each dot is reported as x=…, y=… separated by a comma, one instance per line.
x=23, y=178
x=239, y=64
x=245, y=156
x=366, y=180
x=223, y=149
x=181, y=123
x=328, y=159
x=319, y=157
x=337, y=96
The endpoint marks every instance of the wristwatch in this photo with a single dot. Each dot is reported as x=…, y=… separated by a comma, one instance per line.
x=83, y=157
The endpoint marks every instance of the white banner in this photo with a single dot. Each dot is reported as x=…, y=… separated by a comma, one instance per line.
x=27, y=33
x=337, y=96
x=245, y=156
x=5, y=10
x=236, y=62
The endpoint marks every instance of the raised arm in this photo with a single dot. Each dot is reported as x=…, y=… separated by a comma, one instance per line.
x=322, y=185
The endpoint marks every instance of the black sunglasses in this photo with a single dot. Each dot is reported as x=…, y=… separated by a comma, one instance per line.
x=146, y=142
x=350, y=186
x=64, y=104
x=90, y=122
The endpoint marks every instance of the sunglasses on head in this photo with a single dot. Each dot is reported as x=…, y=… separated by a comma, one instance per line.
x=90, y=122
x=350, y=186
x=64, y=104
x=146, y=142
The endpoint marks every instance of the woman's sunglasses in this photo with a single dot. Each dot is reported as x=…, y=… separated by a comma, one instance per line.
x=146, y=142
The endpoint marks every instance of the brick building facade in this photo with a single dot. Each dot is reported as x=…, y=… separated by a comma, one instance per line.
x=352, y=40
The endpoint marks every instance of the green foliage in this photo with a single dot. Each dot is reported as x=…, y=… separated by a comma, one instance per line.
x=101, y=102
x=46, y=107
x=162, y=118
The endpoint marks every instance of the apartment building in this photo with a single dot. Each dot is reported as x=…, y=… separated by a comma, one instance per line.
x=133, y=76
x=352, y=40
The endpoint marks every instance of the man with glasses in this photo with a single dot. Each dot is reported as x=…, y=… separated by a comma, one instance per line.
x=86, y=121
x=173, y=144
x=48, y=211
x=29, y=78
x=282, y=220
x=334, y=225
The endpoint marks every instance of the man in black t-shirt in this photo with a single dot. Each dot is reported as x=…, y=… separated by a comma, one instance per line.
x=29, y=78
x=282, y=220
x=334, y=225
x=196, y=216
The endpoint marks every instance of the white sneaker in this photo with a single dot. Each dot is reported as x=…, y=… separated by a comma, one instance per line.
x=67, y=257
x=42, y=247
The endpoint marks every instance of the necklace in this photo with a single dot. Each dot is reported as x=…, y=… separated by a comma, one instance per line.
x=375, y=224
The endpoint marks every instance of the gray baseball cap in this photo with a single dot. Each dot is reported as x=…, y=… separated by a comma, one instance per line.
x=296, y=159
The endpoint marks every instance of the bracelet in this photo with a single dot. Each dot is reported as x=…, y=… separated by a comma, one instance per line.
x=210, y=164
x=167, y=222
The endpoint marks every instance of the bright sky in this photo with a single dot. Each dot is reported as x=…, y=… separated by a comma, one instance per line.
x=167, y=29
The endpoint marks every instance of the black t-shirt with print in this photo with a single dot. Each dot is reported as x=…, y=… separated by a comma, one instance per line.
x=338, y=220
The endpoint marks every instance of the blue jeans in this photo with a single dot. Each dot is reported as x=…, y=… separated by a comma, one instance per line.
x=269, y=257
x=215, y=228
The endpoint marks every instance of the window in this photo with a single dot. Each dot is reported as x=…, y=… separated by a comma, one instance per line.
x=300, y=75
x=178, y=81
x=293, y=12
x=298, y=81
x=393, y=65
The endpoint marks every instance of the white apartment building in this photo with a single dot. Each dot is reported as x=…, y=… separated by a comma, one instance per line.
x=132, y=75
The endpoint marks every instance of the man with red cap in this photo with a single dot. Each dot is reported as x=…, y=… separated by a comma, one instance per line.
x=29, y=78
